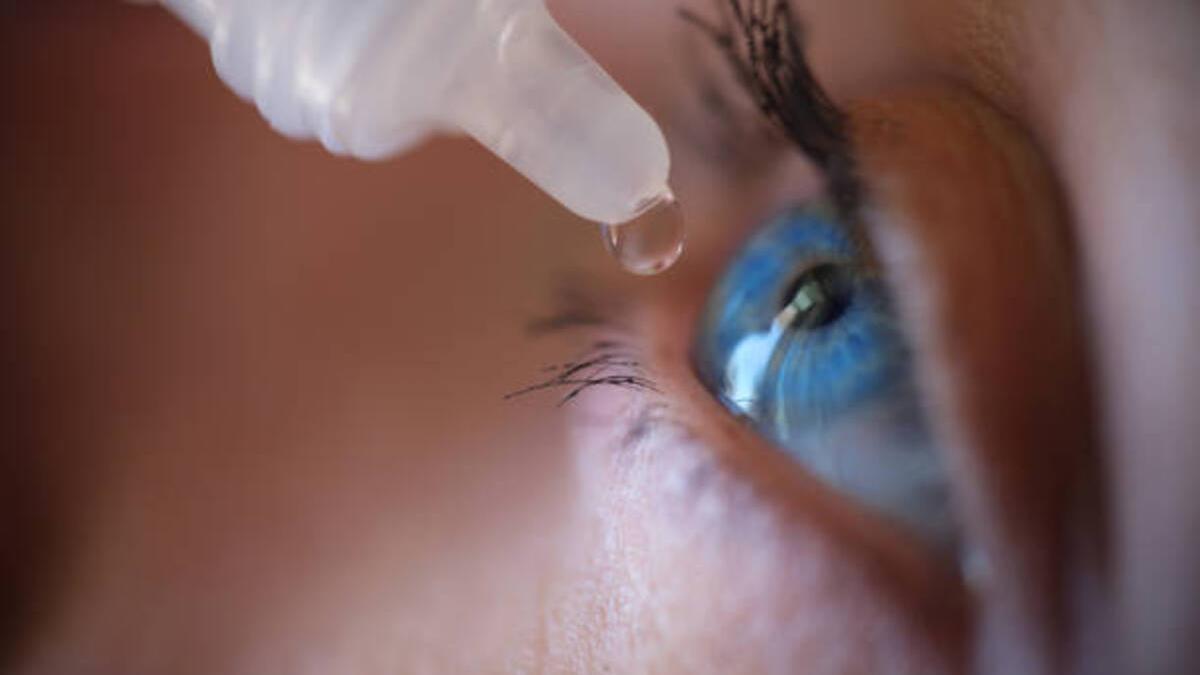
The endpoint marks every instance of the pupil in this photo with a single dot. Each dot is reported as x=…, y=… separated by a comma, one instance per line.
x=820, y=296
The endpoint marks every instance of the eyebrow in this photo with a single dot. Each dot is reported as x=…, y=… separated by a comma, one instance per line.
x=763, y=43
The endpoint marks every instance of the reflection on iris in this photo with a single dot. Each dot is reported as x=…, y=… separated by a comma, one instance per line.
x=799, y=338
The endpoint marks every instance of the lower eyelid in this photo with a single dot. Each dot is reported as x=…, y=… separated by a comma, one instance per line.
x=684, y=497
x=686, y=492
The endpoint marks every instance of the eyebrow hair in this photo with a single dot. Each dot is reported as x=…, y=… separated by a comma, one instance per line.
x=763, y=43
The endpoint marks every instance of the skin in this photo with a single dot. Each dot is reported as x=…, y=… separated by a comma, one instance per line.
x=258, y=413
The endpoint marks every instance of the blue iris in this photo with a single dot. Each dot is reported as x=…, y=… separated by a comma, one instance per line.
x=788, y=375
x=799, y=338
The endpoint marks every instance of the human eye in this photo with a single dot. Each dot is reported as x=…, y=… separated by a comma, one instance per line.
x=868, y=363
x=800, y=338
x=909, y=332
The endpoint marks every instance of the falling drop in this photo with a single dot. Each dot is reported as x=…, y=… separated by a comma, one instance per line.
x=651, y=242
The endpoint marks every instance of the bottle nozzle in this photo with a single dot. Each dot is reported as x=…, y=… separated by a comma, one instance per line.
x=371, y=79
x=537, y=100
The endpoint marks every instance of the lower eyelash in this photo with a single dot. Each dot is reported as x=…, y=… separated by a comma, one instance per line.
x=607, y=363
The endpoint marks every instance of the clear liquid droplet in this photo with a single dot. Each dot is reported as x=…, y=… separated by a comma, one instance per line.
x=650, y=243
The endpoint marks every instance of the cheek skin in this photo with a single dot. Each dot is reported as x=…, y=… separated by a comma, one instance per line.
x=701, y=550
x=1003, y=357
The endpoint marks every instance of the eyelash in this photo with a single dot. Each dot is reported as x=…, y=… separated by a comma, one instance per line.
x=763, y=43
x=608, y=362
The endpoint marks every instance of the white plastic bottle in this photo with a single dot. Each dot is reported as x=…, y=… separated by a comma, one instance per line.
x=370, y=78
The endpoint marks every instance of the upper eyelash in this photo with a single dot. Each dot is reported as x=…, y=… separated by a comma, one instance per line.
x=763, y=43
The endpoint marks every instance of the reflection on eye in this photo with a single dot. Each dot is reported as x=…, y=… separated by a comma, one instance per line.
x=799, y=338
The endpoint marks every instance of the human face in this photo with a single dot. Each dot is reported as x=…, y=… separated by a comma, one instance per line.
x=996, y=139
x=265, y=429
